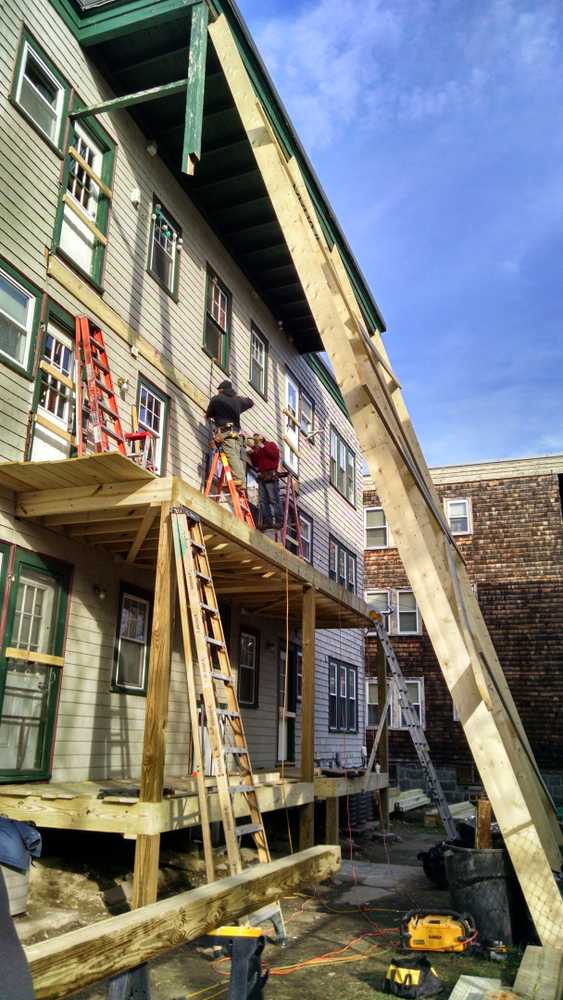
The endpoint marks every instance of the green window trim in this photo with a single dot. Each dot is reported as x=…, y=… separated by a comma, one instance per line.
x=130, y=590
x=28, y=42
x=255, y=332
x=172, y=290
x=210, y=323
x=19, y=279
x=103, y=212
x=165, y=400
x=57, y=314
x=62, y=574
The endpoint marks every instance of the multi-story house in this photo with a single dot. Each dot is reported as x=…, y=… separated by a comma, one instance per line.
x=506, y=518
x=175, y=251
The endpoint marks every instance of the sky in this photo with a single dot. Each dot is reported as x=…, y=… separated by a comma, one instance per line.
x=436, y=129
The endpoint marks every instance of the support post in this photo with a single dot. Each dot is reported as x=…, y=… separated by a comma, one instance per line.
x=332, y=831
x=195, y=90
x=307, y=812
x=145, y=878
x=383, y=751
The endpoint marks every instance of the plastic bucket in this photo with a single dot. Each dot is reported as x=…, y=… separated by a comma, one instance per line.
x=480, y=885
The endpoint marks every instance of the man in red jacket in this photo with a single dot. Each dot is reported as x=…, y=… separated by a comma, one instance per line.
x=265, y=458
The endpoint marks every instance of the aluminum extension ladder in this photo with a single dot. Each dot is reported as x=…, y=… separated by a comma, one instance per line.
x=435, y=790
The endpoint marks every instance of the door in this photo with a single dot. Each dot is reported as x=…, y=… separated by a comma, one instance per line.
x=76, y=238
x=30, y=680
x=287, y=701
x=55, y=410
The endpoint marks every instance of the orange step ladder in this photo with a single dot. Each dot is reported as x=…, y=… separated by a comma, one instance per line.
x=222, y=472
x=290, y=510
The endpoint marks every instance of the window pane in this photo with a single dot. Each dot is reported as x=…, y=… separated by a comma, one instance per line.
x=306, y=536
x=247, y=650
x=246, y=686
x=407, y=601
x=214, y=341
x=350, y=476
x=130, y=665
x=39, y=95
x=306, y=414
x=16, y=313
x=407, y=613
x=332, y=559
x=378, y=600
x=219, y=305
x=351, y=572
x=333, y=457
x=134, y=618
x=164, y=248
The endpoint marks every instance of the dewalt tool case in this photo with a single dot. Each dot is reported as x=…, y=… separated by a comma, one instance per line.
x=440, y=930
x=412, y=978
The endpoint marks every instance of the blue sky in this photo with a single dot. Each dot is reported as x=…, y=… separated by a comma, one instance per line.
x=436, y=128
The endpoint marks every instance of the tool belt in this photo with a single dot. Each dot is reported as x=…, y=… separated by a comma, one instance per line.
x=269, y=476
x=228, y=431
x=412, y=978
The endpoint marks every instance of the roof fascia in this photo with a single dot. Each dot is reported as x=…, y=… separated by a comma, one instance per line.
x=94, y=25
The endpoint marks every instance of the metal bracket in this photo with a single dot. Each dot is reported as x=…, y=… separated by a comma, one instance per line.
x=131, y=985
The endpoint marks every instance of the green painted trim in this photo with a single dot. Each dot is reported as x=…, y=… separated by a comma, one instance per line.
x=327, y=380
x=128, y=100
x=126, y=588
x=27, y=37
x=224, y=363
x=60, y=572
x=20, y=279
x=103, y=25
x=165, y=400
x=256, y=329
x=173, y=292
x=68, y=14
x=195, y=91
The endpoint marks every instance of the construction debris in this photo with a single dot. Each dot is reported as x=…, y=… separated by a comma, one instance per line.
x=459, y=810
x=411, y=798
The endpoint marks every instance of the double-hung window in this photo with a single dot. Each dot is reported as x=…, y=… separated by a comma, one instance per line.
x=248, y=665
x=408, y=617
x=132, y=643
x=372, y=703
x=378, y=532
x=415, y=691
x=306, y=414
x=342, y=466
x=291, y=438
x=217, y=333
x=306, y=531
x=153, y=416
x=19, y=319
x=82, y=225
x=54, y=416
x=258, y=376
x=164, y=250
x=342, y=697
x=39, y=91
x=341, y=565
x=458, y=513
x=380, y=601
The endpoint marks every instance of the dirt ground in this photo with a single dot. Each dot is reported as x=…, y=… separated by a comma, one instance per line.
x=363, y=904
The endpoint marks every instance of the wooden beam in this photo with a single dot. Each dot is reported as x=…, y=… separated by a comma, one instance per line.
x=13, y=653
x=71, y=962
x=540, y=974
x=95, y=497
x=105, y=190
x=307, y=812
x=332, y=831
x=128, y=100
x=156, y=712
x=142, y=532
x=195, y=90
x=442, y=589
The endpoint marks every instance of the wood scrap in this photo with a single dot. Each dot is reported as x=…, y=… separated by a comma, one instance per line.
x=540, y=976
x=459, y=810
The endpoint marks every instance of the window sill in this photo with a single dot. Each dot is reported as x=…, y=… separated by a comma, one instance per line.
x=171, y=294
x=26, y=373
x=36, y=128
x=343, y=495
x=244, y=704
x=136, y=692
x=224, y=369
x=78, y=270
x=263, y=395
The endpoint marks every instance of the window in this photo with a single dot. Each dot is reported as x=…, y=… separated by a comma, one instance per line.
x=164, y=250
x=306, y=530
x=40, y=91
x=372, y=703
x=153, y=416
x=380, y=601
x=258, y=361
x=291, y=438
x=132, y=645
x=299, y=683
x=408, y=619
x=19, y=319
x=458, y=513
x=341, y=565
x=248, y=663
x=342, y=466
x=378, y=532
x=342, y=697
x=82, y=221
x=415, y=690
x=54, y=400
x=217, y=333
x=306, y=414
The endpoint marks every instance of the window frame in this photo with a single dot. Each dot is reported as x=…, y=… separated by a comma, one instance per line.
x=102, y=221
x=467, y=502
x=369, y=682
x=398, y=630
x=349, y=556
x=28, y=43
x=387, y=615
x=256, y=635
x=396, y=715
x=55, y=314
x=306, y=434
x=16, y=278
x=165, y=400
x=292, y=547
x=213, y=278
x=291, y=449
x=173, y=292
x=256, y=333
x=339, y=669
x=349, y=454
x=389, y=543
x=129, y=590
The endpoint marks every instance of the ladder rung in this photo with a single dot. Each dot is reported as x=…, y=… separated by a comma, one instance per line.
x=218, y=676
x=215, y=642
x=225, y=713
x=105, y=388
x=202, y=576
x=236, y=750
x=99, y=364
x=198, y=546
x=245, y=789
x=111, y=413
x=210, y=610
x=117, y=437
x=241, y=831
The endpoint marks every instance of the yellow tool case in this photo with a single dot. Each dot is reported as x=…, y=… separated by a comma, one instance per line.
x=440, y=930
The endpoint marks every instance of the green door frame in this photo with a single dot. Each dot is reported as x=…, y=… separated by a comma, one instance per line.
x=61, y=574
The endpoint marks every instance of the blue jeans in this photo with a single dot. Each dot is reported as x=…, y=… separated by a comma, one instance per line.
x=269, y=503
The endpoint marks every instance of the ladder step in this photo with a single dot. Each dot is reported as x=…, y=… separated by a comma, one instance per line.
x=203, y=576
x=241, y=831
x=226, y=714
x=99, y=364
x=215, y=642
x=209, y=609
x=198, y=546
x=106, y=409
x=237, y=750
x=218, y=676
x=116, y=437
x=245, y=789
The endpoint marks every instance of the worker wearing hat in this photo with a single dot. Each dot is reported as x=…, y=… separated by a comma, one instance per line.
x=224, y=410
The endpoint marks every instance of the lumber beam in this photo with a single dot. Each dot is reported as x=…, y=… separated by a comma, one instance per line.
x=128, y=100
x=434, y=567
x=307, y=812
x=145, y=876
x=71, y=962
x=332, y=821
x=195, y=90
x=540, y=974
x=382, y=795
x=109, y=496
x=145, y=526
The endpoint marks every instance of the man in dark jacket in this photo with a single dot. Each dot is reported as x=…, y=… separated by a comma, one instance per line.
x=224, y=410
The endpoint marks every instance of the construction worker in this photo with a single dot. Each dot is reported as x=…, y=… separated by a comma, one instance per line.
x=224, y=410
x=265, y=458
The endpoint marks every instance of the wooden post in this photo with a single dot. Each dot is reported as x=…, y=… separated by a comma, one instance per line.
x=483, y=835
x=382, y=804
x=145, y=879
x=332, y=831
x=195, y=92
x=307, y=812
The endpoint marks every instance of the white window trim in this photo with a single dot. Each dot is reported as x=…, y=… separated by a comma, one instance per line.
x=395, y=717
x=120, y=684
x=389, y=543
x=30, y=317
x=308, y=435
x=369, y=680
x=465, y=500
x=292, y=428
x=159, y=440
x=406, y=590
x=27, y=48
x=176, y=243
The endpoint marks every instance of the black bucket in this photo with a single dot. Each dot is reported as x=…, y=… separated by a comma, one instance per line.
x=479, y=883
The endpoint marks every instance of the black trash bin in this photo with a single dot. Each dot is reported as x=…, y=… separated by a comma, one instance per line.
x=480, y=882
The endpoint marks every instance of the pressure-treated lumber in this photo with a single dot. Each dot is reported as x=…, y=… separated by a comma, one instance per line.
x=540, y=976
x=433, y=565
x=332, y=812
x=66, y=964
x=195, y=91
x=307, y=812
x=483, y=833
